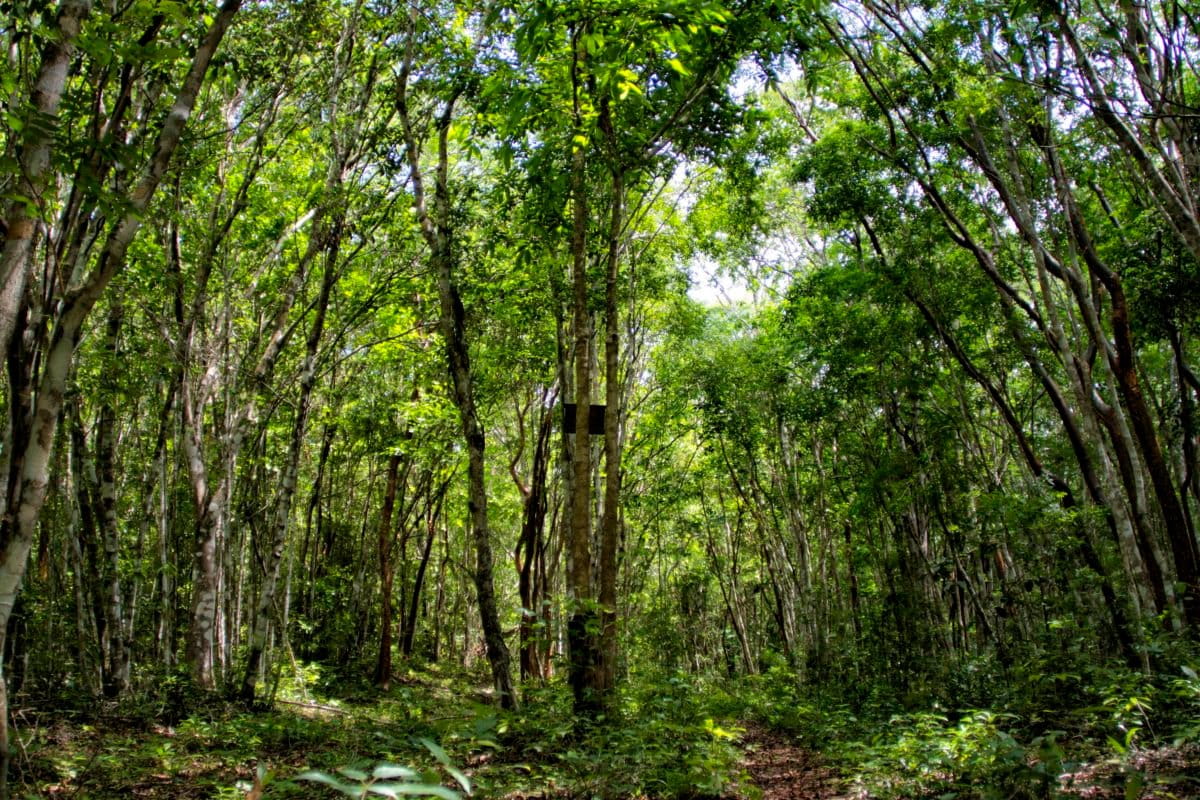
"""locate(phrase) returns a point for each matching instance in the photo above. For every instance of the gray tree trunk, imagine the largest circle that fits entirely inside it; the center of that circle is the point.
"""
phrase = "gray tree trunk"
(438, 235)
(24, 505)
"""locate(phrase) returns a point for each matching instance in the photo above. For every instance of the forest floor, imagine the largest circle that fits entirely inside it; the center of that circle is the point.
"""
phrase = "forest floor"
(118, 761)
(668, 745)
(783, 770)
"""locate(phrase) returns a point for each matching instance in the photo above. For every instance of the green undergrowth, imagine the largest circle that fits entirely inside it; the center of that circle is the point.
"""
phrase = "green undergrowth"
(1038, 730)
(423, 737)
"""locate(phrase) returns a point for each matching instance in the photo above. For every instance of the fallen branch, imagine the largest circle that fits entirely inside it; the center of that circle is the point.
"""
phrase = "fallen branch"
(315, 706)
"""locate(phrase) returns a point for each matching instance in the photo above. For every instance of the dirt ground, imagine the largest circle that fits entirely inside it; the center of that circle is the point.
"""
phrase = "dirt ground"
(781, 770)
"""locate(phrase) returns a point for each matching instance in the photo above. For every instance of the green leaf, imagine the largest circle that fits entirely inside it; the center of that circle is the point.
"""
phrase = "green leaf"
(413, 790)
(328, 780)
(1133, 786)
(444, 759)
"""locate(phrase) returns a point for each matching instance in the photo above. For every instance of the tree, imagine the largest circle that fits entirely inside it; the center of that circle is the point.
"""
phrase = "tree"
(902, 131)
(437, 229)
(29, 444)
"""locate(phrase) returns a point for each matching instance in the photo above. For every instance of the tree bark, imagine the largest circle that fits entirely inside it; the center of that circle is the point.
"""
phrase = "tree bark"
(610, 524)
(581, 641)
(28, 491)
(529, 549)
(383, 663)
(287, 487)
(432, 515)
(439, 236)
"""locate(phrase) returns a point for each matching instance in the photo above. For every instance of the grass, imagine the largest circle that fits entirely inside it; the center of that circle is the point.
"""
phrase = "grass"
(673, 736)
(663, 743)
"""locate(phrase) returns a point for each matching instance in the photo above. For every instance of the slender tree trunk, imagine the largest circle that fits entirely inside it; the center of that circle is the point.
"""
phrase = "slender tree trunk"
(117, 657)
(438, 234)
(287, 488)
(383, 663)
(1189, 392)
(89, 575)
(432, 514)
(530, 546)
(313, 507)
(855, 609)
(439, 606)
(606, 669)
(28, 495)
(165, 622)
(201, 654)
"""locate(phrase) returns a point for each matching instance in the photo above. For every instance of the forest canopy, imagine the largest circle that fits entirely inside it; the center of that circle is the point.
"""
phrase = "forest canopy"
(632, 371)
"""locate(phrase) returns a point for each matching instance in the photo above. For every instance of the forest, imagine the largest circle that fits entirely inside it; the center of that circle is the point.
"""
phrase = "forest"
(600, 399)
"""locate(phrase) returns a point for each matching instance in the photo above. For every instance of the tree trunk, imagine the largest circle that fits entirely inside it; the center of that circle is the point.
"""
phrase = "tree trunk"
(432, 514)
(439, 236)
(529, 548)
(383, 663)
(117, 659)
(287, 487)
(89, 592)
(581, 643)
(610, 526)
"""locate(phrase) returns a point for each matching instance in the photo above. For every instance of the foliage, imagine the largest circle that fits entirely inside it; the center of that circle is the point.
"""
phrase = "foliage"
(1046, 736)
(668, 740)
(977, 757)
(390, 780)
(922, 491)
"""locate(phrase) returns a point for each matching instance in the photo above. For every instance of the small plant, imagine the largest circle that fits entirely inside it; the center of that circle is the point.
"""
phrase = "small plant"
(391, 780)
(1185, 692)
(976, 758)
(385, 780)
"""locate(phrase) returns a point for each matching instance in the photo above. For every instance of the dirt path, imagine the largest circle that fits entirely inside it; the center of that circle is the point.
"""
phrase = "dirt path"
(782, 770)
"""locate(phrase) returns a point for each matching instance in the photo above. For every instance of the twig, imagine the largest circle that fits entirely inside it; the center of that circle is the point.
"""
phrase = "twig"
(315, 706)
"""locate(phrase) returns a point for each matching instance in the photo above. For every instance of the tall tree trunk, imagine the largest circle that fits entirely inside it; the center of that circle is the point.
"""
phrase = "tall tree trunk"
(287, 488)
(383, 663)
(158, 508)
(581, 643)
(117, 659)
(610, 524)
(28, 494)
(438, 234)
